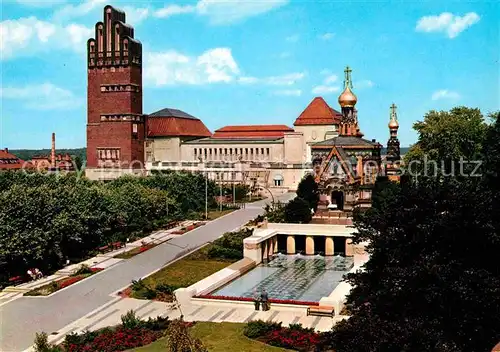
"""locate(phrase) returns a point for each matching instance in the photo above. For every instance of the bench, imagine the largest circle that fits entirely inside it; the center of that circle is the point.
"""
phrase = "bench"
(104, 249)
(117, 245)
(16, 280)
(323, 311)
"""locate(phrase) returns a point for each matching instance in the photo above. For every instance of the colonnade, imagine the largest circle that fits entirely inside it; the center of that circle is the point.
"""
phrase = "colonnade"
(329, 246)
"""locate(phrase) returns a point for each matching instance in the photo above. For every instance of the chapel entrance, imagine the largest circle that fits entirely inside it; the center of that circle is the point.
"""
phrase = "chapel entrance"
(338, 199)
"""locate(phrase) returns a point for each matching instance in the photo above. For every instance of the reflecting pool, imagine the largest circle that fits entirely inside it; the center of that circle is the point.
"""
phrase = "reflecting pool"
(296, 277)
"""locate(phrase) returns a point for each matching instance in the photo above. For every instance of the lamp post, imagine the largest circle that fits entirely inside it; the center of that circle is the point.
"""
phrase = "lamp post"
(220, 187)
(234, 188)
(206, 195)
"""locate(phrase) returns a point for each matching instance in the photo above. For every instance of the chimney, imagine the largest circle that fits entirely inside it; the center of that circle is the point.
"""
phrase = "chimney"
(53, 154)
(6, 150)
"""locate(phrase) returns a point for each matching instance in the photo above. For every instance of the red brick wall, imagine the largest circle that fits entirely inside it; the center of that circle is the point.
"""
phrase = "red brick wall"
(114, 134)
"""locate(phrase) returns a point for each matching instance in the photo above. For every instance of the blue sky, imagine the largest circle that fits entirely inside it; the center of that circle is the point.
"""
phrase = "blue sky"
(252, 62)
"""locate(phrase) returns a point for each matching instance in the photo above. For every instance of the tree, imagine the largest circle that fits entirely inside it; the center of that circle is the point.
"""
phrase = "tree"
(308, 190)
(445, 137)
(431, 283)
(298, 211)
(179, 339)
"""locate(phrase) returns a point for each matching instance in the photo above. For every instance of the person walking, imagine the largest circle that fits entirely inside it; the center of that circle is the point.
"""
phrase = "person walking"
(256, 299)
(264, 297)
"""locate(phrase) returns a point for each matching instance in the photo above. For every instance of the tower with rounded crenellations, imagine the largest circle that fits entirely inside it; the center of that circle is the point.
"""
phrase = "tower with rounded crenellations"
(115, 121)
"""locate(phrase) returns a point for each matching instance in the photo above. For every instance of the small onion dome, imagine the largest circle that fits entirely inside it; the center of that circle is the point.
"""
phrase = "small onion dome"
(393, 124)
(347, 98)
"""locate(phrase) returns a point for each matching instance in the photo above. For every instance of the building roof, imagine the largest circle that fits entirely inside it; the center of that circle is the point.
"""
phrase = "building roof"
(318, 112)
(9, 161)
(348, 141)
(237, 140)
(252, 131)
(173, 122)
(169, 112)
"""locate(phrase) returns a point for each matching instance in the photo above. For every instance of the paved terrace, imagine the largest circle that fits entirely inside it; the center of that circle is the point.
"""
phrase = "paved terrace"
(21, 318)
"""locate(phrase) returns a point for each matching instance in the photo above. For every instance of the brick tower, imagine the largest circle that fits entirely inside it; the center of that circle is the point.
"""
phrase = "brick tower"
(115, 123)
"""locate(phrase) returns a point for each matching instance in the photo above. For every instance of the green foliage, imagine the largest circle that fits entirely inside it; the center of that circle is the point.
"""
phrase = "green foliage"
(258, 328)
(130, 320)
(445, 137)
(41, 344)
(229, 246)
(83, 269)
(432, 282)
(275, 212)
(46, 219)
(308, 190)
(179, 339)
(298, 211)
(166, 288)
(28, 154)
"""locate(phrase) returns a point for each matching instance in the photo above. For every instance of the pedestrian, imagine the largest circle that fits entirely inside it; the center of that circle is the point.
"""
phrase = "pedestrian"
(31, 274)
(256, 299)
(264, 298)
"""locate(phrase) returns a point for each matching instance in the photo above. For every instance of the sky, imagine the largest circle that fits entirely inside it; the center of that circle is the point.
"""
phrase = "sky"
(252, 62)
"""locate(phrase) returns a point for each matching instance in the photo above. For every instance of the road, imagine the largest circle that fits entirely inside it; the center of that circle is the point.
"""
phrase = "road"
(21, 318)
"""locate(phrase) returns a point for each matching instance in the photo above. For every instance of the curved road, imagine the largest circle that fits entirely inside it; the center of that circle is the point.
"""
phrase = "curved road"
(21, 318)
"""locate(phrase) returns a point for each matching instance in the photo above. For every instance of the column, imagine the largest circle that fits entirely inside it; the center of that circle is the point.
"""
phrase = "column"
(329, 250)
(290, 244)
(309, 245)
(275, 244)
(271, 247)
(264, 251)
(349, 247)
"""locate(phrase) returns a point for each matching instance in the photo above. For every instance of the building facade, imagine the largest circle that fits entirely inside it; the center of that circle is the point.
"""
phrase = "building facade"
(274, 158)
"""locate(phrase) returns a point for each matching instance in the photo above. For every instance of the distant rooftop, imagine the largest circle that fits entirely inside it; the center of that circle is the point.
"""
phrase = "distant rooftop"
(169, 112)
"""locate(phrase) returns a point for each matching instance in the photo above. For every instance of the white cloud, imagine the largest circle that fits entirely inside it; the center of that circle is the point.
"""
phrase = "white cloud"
(288, 92)
(248, 80)
(323, 89)
(282, 80)
(29, 35)
(366, 83)
(171, 67)
(445, 94)
(325, 72)
(70, 11)
(40, 3)
(284, 55)
(44, 96)
(172, 10)
(285, 80)
(292, 38)
(135, 15)
(222, 12)
(331, 79)
(327, 36)
(447, 23)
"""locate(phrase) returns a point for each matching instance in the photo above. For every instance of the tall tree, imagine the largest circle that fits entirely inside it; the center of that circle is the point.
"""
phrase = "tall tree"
(308, 190)
(446, 136)
(431, 283)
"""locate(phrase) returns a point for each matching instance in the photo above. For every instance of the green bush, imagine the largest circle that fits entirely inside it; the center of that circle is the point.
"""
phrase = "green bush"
(218, 252)
(258, 328)
(157, 324)
(166, 288)
(41, 344)
(130, 320)
(83, 269)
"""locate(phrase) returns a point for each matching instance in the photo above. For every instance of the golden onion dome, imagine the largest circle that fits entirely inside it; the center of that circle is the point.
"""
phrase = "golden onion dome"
(347, 98)
(393, 124)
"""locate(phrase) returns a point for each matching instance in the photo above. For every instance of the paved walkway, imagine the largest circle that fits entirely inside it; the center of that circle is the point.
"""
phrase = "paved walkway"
(21, 318)
(110, 314)
(102, 261)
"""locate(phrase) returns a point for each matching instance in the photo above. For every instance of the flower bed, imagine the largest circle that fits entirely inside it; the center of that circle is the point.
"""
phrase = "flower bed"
(249, 299)
(294, 337)
(138, 250)
(55, 286)
(185, 229)
(119, 339)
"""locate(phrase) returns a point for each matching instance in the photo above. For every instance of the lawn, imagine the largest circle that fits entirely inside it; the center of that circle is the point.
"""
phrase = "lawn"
(214, 214)
(184, 272)
(217, 337)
